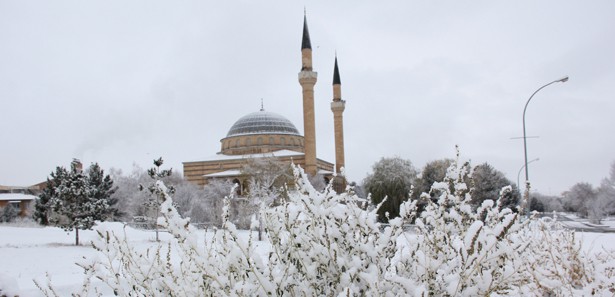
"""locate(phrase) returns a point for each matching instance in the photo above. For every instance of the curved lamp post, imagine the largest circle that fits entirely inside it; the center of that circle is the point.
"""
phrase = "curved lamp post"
(527, 183)
(521, 169)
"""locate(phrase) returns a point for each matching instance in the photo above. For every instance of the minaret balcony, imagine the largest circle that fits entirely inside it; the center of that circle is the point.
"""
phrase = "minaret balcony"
(308, 76)
(338, 106)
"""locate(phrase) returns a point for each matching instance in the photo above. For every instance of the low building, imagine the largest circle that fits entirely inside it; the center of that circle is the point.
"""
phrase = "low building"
(21, 198)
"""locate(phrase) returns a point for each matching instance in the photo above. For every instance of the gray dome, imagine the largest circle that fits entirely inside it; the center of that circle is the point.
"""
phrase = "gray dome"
(262, 122)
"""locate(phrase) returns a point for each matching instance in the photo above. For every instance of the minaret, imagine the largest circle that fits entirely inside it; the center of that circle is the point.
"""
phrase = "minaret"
(307, 79)
(337, 106)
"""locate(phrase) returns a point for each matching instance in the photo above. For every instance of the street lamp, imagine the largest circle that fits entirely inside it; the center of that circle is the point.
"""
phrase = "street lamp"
(527, 182)
(521, 169)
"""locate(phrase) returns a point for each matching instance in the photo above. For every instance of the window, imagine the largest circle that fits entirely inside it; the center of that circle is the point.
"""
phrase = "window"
(248, 141)
(282, 141)
(259, 141)
(271, 141)
(238, 188)
(14, 204)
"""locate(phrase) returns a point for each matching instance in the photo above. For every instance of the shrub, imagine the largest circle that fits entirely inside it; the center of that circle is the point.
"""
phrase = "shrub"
(323, 243)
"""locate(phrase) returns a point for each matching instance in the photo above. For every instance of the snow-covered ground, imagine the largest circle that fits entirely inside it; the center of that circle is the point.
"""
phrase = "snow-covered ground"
(28, 253)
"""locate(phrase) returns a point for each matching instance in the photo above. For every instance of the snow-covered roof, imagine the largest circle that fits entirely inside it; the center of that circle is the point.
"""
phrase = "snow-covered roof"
(280, 153)
(227, 173)
(16, 197)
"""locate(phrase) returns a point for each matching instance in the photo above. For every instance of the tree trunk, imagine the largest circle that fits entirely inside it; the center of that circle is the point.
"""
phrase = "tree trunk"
(76, 236)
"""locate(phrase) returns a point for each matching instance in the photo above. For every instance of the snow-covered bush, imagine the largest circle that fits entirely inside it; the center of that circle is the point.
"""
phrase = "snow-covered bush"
(8, 213)
(325, 244)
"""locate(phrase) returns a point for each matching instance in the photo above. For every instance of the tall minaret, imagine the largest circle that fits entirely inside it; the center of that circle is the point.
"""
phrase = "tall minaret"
(307, 79)
(337, 106)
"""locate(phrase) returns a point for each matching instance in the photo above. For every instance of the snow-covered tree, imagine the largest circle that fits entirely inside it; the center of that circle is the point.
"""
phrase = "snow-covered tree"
(80, 198)
(102, 188)
(432, 172)
(42, 207)
(606, 193)
(215, 191)
(549, 203)
(590, 202)
(487, 182)
(8, 213)
(267, 178)
(130, 199)
(391, 178)
(158, 194)
(578, 198)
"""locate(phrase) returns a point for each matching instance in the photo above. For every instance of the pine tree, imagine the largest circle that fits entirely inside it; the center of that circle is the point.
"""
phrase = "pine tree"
(487, 183)
(102, 188)
(159, 194)
(75, 200)
(42, 206)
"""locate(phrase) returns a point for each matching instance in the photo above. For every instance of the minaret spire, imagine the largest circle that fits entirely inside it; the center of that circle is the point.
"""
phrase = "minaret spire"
(336, 74)
(305, 41)
(337, 106)
(307, 80)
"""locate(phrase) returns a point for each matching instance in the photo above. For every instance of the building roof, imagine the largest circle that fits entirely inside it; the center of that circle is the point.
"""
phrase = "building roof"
(223, 157)
(16, 197)
(262, 122)
(227, 173)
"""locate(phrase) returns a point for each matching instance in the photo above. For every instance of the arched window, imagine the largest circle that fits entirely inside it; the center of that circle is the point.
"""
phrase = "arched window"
(292, 141)
(282, 141)
(237, 143)
(259, 141)
(271, 141)
(238, 187)
(248, 141)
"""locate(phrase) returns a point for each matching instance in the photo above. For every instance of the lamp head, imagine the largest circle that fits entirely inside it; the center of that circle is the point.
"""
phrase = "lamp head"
(563, 79)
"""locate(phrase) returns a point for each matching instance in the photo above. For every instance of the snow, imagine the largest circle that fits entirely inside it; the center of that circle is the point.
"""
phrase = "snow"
(30, 253)
(280, 153)
(16, 197)
(225, 173)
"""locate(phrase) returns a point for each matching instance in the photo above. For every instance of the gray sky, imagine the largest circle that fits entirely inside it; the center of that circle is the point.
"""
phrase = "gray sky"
(123, 82)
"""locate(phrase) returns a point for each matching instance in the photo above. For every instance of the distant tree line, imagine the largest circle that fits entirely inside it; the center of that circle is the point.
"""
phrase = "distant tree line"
(587, 201)
(398, 180)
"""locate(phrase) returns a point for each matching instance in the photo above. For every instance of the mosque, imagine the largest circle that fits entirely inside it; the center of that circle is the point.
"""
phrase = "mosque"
(264, 134)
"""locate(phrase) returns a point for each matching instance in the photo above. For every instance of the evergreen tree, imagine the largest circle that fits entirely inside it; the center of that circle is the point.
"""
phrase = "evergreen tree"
(487, 183)
(102, 188)
(42, 206)
(75, 200)
(433, 171)
(158, 193)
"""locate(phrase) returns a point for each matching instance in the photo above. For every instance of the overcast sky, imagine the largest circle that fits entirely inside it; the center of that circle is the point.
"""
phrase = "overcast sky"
(123, 82)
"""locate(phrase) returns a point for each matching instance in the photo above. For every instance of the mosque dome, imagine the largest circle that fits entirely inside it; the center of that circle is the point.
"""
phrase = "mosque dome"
(262, 132)
(262, 122)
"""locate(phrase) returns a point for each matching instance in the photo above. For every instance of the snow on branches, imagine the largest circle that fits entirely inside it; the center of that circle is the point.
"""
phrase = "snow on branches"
(327, 244)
